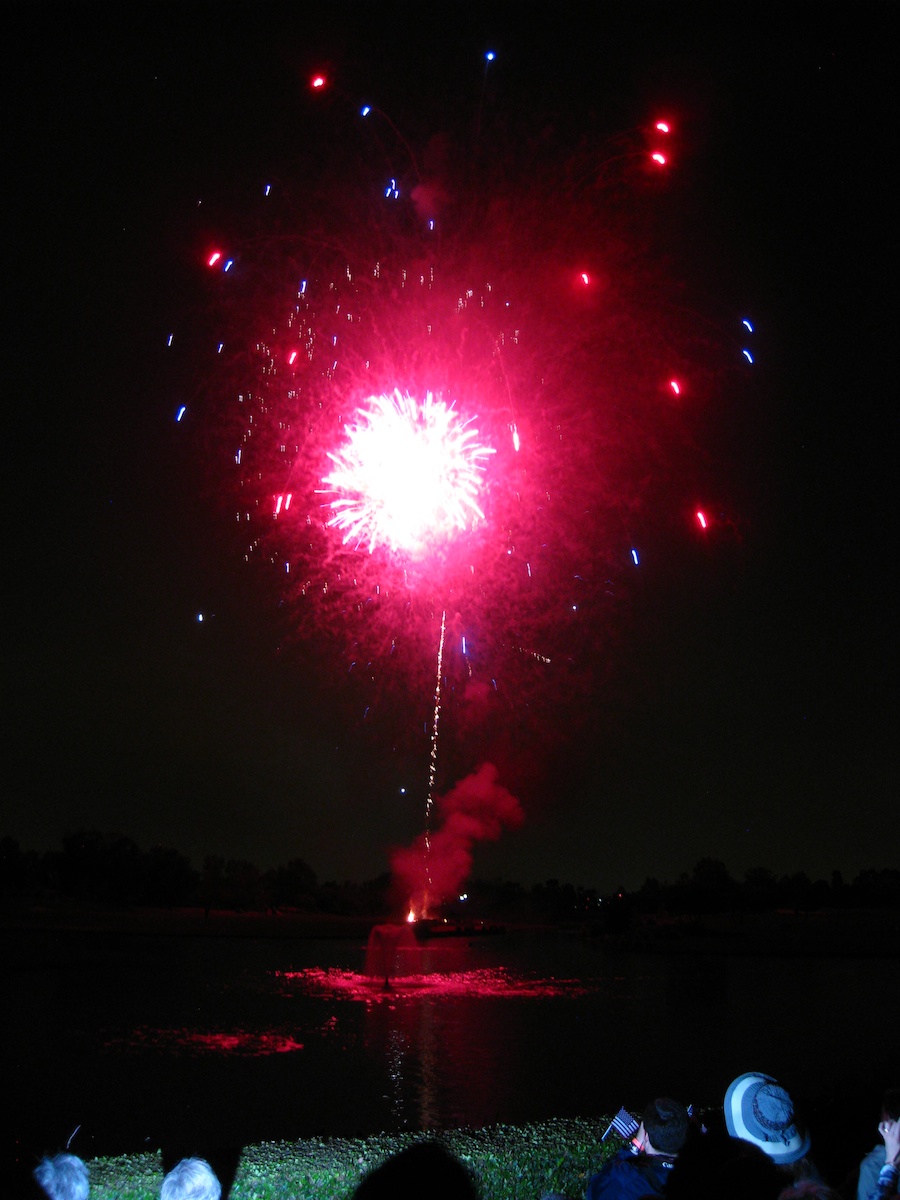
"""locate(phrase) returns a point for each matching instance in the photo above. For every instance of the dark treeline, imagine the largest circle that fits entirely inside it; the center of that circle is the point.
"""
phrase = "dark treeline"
(112, 870)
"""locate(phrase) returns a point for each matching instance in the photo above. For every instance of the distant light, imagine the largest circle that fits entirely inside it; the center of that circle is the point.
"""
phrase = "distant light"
(169, 342)
(228, 265)
(515, 438)
(302, 286)
(662, 126)
(267, 189)
(659, 158)
(221, 347)
(490, 56)
(747, 325)
(634, 557)
(292, 358)
(365, 110)
(181, 412)
(200, 617)
(214, 258)
(464, 646)
(701, 520)
(585, 278)
(747, 355)
(317, 82)
(675, 386)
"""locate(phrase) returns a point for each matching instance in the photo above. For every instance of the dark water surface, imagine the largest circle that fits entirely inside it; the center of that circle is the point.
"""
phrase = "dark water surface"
(201, 1042)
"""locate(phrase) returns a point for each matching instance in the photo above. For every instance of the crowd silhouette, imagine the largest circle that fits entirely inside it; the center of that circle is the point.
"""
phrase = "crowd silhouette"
(759, 1151)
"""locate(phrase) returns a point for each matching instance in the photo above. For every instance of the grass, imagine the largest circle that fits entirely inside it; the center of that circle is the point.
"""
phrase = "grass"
(507, 1162)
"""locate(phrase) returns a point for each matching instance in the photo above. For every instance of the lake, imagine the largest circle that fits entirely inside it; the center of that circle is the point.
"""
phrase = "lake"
(200, 1042)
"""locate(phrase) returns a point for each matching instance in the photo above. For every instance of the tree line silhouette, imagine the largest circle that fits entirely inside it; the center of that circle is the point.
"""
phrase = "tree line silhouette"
(112, 870)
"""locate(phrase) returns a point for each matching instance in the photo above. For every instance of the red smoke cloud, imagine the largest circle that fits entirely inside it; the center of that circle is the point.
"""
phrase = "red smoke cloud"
(477, 809)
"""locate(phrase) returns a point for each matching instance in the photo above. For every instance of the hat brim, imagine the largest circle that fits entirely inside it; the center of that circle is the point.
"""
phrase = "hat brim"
(784, 1150)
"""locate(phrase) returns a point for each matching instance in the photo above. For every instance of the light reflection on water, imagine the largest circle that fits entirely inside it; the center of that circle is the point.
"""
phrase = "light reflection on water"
(252, 1039)
(495, 982)
(336, 985)
(418, 1033)
(434, 1048)
(198, 1041)
(430, 1047)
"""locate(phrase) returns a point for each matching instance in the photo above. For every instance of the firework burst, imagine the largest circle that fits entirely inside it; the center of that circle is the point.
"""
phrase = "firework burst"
(409, 473)
(519, 285)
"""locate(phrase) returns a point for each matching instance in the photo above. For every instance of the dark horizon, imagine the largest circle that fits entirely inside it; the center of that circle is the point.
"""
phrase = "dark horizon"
(112, 870)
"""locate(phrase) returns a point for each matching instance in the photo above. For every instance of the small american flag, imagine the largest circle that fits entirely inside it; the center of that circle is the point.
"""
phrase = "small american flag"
(623, 1123)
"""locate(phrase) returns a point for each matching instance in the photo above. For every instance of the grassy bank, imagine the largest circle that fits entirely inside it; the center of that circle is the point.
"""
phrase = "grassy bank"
(507, 1163)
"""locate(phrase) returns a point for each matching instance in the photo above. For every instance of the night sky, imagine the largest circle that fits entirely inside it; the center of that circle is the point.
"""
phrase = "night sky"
(743, 707)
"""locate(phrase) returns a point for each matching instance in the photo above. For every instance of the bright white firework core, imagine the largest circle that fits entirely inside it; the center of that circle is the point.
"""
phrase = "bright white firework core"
(409, 473)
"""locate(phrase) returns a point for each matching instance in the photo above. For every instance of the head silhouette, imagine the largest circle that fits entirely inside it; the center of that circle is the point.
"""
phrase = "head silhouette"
(423, 1170)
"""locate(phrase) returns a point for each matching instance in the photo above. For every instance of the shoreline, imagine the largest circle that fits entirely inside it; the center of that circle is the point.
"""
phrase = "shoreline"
(844, 933)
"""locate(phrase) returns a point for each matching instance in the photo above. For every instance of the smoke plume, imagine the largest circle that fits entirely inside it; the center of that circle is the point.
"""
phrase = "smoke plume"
(477, 809)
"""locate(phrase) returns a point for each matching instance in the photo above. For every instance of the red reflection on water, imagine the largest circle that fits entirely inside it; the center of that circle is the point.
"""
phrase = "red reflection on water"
(248, 1043)
(408, 1004)
(494, 982)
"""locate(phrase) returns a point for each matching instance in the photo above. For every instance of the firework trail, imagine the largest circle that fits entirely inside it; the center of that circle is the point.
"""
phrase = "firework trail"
(432, 759)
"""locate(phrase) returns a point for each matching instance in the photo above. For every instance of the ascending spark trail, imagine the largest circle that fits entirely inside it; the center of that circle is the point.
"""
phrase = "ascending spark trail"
(432, 765)
(405, 480)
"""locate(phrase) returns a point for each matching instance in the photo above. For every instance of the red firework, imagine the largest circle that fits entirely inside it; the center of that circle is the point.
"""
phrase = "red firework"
(521, 284)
